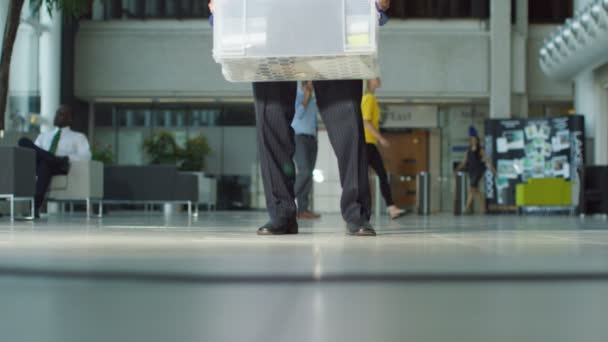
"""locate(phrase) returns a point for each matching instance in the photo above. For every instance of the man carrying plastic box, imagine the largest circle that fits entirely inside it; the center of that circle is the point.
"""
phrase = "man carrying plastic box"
(339, 103)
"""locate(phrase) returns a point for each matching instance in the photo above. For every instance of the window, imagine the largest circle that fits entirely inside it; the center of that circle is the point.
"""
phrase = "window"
(440, 9)
(548, 110)
(156, 9)
(228, 127)
(550, 11)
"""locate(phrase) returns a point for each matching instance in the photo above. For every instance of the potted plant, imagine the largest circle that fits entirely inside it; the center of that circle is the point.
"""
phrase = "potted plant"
(194, 153)
(162, 148)
(193, 161)
(103, 155)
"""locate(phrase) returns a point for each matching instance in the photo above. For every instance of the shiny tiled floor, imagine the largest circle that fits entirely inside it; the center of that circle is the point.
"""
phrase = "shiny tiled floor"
(153, 278)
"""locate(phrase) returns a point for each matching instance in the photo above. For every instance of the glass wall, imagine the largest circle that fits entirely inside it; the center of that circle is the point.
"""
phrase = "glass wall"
(156, 9)
(454, 121)
(184, 9)
(551, 109)
(548, 11)
(440, 9)
(228, 128)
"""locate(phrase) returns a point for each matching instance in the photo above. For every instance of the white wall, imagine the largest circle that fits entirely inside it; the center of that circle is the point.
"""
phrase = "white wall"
(540, 87)
(173, 58)
(151, 58)
(435, 59)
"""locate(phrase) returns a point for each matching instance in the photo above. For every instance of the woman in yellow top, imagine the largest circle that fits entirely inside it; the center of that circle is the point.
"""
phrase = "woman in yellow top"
(371, 118)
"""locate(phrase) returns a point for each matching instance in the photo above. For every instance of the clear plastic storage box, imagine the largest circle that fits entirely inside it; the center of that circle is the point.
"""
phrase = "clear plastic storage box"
(285, 40)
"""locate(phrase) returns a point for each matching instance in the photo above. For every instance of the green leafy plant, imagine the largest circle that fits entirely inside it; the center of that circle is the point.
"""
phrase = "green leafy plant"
(75, 8)
(194, 154)
(162, 148)
(103, 155)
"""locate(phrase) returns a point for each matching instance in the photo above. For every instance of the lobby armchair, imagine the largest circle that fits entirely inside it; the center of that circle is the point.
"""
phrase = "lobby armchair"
(17, 176)
(84, 182)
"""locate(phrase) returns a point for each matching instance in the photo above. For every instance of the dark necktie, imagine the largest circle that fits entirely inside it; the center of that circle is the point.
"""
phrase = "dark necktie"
(55, 142)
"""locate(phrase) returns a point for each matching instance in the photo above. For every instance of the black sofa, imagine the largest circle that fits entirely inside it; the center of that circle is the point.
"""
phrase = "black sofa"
(594, 196)
(148, 184)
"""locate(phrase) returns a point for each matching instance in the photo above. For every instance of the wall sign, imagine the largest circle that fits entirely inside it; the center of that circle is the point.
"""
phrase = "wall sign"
(410, 116)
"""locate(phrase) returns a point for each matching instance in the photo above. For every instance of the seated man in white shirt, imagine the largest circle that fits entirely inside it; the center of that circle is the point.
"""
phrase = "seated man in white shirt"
(54, 151)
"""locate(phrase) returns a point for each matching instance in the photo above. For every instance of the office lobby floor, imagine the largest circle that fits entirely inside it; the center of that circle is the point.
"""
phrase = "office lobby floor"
(137, 277)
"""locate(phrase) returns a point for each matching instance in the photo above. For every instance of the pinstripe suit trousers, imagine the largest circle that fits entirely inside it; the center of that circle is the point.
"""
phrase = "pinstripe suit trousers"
(339, 103)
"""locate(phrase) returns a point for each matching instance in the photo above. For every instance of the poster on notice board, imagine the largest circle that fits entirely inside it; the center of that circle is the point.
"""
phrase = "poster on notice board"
(531, 148)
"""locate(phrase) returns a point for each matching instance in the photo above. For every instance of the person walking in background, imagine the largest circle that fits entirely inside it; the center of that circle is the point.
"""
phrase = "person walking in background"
(305, 127)
(371, 121)
(54, 151)
(475, 163)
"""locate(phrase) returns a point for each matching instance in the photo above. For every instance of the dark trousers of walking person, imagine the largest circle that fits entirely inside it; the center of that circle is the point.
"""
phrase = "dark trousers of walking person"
(339, 103)
(306, 158)
(375, 162)
(47, 166)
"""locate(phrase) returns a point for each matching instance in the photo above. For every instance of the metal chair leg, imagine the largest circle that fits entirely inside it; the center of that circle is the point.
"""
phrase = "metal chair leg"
(88, 200)
(32, 210)
(100, 214)
(12, 207)
(189, 208)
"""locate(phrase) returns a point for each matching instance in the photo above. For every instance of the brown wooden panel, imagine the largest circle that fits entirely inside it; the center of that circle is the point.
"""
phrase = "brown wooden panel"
(407, 156)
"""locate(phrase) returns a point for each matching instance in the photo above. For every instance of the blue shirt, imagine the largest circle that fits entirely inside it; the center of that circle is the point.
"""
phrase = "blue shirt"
(305, 120)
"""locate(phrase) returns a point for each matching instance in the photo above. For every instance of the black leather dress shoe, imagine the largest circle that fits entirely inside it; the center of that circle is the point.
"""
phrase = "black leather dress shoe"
(360, 229)
(271, 228)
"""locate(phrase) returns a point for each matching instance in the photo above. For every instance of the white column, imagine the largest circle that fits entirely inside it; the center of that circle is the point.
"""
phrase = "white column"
(601, 128)
(586, 103)
(500, 61)
(50, 65)
(23, 82)
(588, 94)
(520, 103)
(591, 100)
